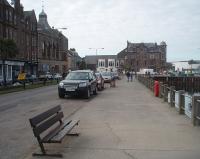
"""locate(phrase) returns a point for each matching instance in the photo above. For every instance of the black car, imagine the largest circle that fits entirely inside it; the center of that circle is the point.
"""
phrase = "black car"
(80, 82)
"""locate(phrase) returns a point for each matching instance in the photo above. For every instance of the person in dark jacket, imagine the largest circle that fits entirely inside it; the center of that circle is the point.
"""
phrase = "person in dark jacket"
(128, 75)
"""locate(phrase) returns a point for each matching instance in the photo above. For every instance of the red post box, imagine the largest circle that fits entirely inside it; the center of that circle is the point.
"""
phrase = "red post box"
(156, 88)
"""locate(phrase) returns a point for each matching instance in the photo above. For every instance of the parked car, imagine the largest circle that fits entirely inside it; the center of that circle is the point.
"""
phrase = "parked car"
(116, 75)
(47, 75)
(100, 81)
(107, 76)
(57, 76)
(30, 78)
(80, 82)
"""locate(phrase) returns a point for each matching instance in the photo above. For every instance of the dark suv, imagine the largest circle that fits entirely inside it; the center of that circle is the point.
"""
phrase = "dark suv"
(80, 82)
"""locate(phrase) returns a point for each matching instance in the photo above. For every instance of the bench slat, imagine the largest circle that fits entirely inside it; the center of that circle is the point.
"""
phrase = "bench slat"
(58, 138)
(47, 124)
(55, 131)
(41, 117)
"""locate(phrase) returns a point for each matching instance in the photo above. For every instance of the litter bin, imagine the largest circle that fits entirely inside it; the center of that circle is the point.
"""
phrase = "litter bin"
(156, 88)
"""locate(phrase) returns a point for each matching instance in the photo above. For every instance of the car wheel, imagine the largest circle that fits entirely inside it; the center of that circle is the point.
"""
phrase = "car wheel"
(61, 95)
(95, 91)
(87, 96)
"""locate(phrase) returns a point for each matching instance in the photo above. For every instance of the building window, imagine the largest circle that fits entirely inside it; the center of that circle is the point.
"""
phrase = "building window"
(57, 52)
(43, 49)
(9, 72)
(117, 64)
(162, 56)
(7, 15)
(152, 56)
(132, 56)
(10, 16)
(111, 63)
(15, 19)
(49, 50)
(101, 63)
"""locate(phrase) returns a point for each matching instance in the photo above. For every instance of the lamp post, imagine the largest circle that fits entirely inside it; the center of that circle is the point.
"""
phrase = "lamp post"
(96, 49)
(63, 28)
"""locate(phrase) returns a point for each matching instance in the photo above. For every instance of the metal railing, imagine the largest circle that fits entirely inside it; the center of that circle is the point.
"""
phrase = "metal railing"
(198, 109)
(183, 102)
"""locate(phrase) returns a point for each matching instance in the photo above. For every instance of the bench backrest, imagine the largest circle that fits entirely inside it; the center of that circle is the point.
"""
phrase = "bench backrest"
(45, 120)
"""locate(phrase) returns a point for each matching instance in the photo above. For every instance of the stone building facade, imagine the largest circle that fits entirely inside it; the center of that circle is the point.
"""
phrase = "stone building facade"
(138, 56)
(52, 49)
(102, 62)
(73, 59)
(20, 26)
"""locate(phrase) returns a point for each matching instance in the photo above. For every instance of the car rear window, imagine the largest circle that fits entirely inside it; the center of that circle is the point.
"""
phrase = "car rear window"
(106, 73)
(77, 76)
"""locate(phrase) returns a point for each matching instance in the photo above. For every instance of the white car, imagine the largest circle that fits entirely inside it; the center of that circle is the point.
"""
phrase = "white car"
(57, 76)
(107, 76)
(49, 75)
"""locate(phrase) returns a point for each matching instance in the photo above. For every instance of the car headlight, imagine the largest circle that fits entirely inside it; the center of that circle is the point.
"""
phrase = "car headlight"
(61, 84)
(82, 84)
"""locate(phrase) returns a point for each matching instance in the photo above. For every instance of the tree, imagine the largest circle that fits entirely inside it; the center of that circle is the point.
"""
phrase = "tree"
(8, 50)
(81, 65)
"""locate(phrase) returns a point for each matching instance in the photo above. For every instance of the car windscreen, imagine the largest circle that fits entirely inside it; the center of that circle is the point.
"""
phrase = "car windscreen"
(77, 76)
(97, 74)
(106, 73)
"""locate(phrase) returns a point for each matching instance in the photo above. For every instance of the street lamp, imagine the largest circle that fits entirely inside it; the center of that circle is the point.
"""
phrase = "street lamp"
(63, 28)
(96, 49)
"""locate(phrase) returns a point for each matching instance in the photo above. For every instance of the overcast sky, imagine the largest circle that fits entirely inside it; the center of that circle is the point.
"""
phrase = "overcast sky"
(110, 23)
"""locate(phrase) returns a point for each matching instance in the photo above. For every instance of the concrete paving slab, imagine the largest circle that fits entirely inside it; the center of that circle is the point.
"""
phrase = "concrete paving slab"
(128, 122)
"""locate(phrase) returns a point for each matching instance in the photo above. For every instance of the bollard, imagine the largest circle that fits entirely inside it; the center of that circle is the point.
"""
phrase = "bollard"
(195, 106)
(181, 101)
(165, 93)
(160, 89)
(156, 88)
(172, 88)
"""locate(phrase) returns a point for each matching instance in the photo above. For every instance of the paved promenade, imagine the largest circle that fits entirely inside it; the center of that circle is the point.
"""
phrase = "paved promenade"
(128, 122)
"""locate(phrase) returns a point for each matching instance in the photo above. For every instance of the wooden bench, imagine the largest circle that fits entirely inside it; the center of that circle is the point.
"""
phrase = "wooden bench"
(49, 127)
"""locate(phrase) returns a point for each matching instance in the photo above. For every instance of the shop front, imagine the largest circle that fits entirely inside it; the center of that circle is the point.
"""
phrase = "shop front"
(12, 69)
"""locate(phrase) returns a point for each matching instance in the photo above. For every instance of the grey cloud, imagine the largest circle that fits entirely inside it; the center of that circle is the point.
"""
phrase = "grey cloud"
(109, 23)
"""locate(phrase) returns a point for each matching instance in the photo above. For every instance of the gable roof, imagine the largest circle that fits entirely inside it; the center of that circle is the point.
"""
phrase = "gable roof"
(147, 45)
(122, 53)
(31, 15)
(5, 2)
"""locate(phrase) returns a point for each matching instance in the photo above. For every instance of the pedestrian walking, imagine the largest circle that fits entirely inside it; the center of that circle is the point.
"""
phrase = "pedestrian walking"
(131, 75)
(128, 76)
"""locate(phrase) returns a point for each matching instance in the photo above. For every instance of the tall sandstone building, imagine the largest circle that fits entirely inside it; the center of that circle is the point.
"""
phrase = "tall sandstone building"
(138, 56)
(21, 27)
(53, 48)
